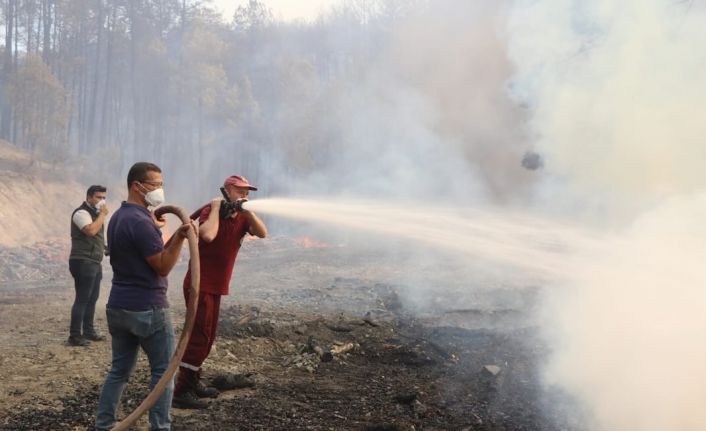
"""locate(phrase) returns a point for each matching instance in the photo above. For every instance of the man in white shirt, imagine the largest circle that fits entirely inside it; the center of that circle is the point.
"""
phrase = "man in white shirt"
(87, 249)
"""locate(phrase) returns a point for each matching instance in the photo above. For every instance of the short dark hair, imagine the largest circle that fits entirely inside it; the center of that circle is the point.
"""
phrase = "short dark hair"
(138, 172)
(95, 189)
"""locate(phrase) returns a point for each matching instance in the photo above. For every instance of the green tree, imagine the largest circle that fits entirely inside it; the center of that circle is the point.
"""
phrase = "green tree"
(41, 110)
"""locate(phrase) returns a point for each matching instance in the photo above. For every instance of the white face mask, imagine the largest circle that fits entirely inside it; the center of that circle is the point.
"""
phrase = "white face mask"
(155, 198)
(99, 204)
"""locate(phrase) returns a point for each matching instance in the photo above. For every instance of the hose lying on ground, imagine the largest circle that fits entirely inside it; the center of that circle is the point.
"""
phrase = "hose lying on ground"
(191, 306)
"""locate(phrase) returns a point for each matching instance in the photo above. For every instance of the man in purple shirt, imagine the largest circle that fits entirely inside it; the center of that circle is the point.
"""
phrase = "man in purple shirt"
(137, 308)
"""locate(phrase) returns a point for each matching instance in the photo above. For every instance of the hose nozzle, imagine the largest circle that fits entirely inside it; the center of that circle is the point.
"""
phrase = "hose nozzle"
(239, 205)
(228, 206)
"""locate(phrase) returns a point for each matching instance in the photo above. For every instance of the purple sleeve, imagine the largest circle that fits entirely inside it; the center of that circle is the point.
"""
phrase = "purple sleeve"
(148, 239)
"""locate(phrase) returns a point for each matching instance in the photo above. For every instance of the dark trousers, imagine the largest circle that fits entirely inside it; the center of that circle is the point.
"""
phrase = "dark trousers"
(202, 337)
(87, 282)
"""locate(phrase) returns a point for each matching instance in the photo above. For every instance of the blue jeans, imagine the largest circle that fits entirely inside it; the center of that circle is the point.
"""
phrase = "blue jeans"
(87, 283)
(152, 330)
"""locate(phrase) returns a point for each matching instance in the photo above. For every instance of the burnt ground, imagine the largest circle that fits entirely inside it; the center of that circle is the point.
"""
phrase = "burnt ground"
(442, 354)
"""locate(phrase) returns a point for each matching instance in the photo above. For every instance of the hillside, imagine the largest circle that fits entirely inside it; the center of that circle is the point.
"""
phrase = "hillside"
(36, 199)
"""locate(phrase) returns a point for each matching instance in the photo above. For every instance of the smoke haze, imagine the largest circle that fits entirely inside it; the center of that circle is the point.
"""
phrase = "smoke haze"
(427, 107)
(426, 113)
(617, 92)
(613, 95)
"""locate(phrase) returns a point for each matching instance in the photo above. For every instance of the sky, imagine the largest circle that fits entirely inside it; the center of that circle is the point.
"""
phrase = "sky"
(287, 9)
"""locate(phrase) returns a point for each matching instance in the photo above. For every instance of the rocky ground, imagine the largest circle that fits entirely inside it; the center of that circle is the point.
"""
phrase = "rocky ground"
(468, 360)
(41, 263)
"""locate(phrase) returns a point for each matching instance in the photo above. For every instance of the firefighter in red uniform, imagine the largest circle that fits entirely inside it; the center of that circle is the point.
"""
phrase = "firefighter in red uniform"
(220, 240)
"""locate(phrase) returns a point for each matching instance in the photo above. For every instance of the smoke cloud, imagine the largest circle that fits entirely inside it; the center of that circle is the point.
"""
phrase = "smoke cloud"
(617, 93)
(427, 113)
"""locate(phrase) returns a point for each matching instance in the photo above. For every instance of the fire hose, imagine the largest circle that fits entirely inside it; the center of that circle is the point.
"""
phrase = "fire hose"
(191, 306)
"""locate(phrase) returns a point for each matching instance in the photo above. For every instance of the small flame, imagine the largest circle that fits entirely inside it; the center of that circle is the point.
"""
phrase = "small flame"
(308, 242)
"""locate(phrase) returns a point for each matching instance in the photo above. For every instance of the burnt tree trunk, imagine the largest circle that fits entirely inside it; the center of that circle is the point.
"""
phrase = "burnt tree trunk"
(7, 69)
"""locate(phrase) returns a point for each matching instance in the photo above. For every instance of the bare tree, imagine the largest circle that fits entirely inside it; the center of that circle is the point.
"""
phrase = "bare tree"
(7, 70)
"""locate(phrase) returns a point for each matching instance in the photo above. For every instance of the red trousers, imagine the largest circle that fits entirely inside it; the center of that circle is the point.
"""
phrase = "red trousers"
(202, 337)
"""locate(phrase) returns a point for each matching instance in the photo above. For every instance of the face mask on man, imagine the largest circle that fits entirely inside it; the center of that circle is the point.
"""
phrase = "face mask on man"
(99, 204)
(155, 197)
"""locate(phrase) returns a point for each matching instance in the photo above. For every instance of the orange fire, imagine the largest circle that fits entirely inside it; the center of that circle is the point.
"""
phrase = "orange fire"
(308, 242)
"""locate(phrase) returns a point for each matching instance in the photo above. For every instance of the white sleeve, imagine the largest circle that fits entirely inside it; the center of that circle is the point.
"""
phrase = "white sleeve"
(82, 219)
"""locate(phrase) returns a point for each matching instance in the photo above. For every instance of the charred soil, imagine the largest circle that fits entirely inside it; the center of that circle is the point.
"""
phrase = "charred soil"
(329, 340)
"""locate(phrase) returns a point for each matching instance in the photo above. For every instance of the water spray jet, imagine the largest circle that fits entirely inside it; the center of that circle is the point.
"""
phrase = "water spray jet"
(543, 247)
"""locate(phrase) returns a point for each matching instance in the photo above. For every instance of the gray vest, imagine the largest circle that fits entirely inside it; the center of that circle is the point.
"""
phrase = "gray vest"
(84, 246)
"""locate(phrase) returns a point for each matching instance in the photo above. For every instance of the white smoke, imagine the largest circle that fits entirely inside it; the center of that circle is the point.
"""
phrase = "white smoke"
(426, 111)
(617, 92)
(629, 332)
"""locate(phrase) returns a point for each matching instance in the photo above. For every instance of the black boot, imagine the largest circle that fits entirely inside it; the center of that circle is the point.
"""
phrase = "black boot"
(93, 336)
(78, 341)
(203, 391)
(188, 400)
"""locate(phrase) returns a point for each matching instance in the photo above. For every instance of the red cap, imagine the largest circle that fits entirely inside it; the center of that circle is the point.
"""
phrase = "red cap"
(238, 181)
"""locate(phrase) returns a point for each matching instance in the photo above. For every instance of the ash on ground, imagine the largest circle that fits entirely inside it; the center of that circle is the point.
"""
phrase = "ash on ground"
(330, 340)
